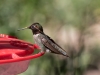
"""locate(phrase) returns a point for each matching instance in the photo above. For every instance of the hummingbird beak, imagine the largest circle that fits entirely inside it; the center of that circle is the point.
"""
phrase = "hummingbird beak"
(23, 28)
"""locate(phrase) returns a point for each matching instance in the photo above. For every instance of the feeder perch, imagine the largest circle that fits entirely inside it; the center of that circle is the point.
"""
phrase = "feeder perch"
(15, 55)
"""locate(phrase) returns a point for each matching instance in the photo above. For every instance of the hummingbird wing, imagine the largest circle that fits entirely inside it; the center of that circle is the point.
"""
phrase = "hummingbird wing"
(52, 46)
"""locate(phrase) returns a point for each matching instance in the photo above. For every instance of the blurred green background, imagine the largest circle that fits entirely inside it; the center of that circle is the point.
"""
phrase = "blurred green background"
(73, 24)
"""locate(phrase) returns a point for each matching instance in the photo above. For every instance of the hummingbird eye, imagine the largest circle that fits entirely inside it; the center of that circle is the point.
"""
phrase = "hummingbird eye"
(35, 26)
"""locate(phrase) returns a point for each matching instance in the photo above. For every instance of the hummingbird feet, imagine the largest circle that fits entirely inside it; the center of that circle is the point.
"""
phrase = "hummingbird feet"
(42, 51)
(48, 51)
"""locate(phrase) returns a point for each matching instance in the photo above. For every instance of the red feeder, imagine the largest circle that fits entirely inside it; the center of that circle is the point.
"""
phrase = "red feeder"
(15, 55)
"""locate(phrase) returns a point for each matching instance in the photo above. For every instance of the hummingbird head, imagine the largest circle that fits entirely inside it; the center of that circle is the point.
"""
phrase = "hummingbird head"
(35, 27)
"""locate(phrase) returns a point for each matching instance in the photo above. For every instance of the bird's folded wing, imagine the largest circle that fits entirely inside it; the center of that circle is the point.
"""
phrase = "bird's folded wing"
(50, 44)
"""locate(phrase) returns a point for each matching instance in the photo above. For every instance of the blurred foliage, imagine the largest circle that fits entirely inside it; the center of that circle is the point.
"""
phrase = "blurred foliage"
(76, 20)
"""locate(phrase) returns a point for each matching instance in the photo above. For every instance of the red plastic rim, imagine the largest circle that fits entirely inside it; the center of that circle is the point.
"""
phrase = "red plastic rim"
(13, 50)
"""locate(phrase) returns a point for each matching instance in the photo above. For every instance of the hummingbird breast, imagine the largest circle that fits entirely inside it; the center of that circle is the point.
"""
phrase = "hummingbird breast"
(38, 41)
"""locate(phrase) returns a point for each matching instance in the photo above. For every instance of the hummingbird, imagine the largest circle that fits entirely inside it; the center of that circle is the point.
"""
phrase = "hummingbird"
(45, 43)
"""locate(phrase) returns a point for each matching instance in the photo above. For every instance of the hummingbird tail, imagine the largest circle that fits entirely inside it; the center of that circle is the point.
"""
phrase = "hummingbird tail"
(67, 56)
